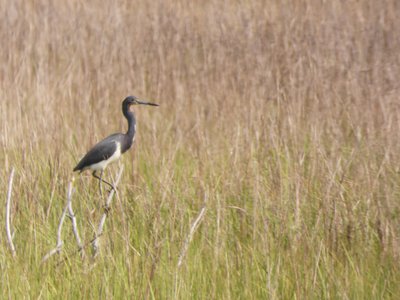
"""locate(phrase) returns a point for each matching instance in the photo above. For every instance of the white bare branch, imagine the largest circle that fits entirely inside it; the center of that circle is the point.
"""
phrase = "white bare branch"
(59, 245)
(96, 240)
(189, 238)
(8, 208)
(71, 215)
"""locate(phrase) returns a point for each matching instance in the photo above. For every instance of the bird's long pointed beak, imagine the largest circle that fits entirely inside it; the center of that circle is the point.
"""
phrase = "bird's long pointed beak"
(147, 103)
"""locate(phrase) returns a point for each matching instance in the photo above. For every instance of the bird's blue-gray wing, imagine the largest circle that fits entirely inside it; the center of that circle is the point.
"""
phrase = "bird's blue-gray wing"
(101, 151)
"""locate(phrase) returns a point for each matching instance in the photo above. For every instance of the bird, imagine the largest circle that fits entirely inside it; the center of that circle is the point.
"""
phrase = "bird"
(112, 147)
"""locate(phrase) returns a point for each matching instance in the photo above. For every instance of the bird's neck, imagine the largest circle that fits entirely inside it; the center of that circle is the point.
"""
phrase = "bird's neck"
(131, 123)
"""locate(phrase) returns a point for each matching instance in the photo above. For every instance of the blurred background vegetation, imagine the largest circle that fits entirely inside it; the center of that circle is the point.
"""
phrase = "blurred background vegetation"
(280, 117)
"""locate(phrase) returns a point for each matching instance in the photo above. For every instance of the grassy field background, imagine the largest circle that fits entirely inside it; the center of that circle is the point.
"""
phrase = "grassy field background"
(282, 118)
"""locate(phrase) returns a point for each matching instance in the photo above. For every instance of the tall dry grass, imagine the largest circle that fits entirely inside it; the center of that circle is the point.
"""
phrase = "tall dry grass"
(282, 117)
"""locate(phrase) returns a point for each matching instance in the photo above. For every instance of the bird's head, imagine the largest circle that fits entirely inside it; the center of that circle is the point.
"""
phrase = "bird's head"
(133, 100)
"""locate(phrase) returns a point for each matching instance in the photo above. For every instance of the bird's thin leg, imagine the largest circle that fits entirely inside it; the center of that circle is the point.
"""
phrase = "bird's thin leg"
(102, 180)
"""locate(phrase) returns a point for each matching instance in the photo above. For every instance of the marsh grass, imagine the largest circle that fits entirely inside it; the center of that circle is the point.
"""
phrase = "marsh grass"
(284, 115)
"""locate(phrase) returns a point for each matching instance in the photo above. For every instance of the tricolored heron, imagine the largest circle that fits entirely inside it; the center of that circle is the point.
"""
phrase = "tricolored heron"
(112, 147)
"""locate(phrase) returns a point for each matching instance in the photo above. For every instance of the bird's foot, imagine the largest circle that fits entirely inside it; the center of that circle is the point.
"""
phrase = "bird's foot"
(107, 209)
(112, 189)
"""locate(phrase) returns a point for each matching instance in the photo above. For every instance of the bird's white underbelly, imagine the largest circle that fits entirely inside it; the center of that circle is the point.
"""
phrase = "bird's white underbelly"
(103, 164)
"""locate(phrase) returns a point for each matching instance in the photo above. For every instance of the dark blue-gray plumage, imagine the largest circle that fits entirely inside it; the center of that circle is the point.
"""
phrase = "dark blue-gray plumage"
(112, 147)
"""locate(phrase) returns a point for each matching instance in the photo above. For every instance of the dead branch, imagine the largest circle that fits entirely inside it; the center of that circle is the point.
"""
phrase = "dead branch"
(59, 245)
(8, 208)
(75, 230)
(96, 243)
(189, 238)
